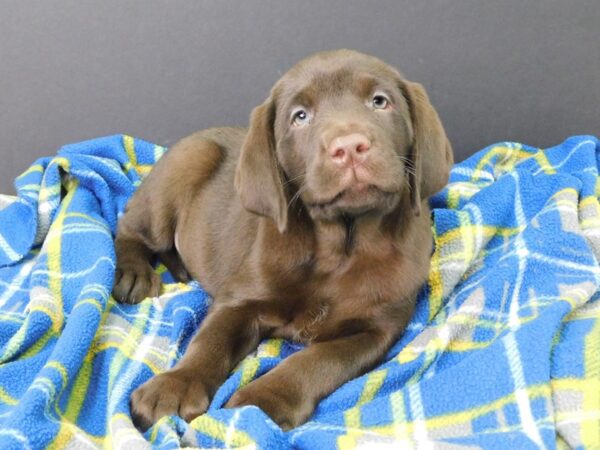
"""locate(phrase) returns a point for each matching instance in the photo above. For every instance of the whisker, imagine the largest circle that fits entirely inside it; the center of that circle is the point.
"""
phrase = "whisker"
(291, 180)
(408, 165)
(296, 196)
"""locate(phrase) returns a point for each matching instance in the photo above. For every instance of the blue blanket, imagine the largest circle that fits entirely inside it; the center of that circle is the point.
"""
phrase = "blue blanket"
(503, 351)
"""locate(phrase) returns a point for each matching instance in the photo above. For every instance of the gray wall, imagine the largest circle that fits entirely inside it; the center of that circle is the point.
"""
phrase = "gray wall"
(496, 70)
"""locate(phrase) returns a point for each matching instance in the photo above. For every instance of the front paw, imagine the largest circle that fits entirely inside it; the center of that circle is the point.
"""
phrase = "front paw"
(175, 392)
(284, 404)
(134, 282)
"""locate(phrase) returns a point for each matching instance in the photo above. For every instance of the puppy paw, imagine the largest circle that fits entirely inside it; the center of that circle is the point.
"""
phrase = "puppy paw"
(180, 274)
(173, 392)
(134, 282)
(173, 263)
(280, 402)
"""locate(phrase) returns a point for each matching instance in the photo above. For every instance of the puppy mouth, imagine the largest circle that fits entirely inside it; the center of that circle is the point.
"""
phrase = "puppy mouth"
(357, 198)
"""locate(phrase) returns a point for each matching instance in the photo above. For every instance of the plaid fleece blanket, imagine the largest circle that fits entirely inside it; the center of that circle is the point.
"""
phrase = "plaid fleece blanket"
(503, 351)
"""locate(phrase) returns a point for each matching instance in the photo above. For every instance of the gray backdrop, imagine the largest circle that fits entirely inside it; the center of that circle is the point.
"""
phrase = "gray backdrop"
(496, 70)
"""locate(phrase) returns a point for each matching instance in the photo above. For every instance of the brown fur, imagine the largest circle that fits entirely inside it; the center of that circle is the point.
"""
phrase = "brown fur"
(286, 245)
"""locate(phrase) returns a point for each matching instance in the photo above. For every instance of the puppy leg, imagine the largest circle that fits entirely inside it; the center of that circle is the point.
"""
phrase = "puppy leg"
(134, 278)
(148, 225)
(143, 231)
(290, 392)
(175, 265)
(227, 335)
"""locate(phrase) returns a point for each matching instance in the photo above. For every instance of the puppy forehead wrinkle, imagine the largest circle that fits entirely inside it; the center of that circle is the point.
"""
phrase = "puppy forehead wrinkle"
(338, 62)
(305, 97)
(364, 84)
(312, 85)
(327, 85)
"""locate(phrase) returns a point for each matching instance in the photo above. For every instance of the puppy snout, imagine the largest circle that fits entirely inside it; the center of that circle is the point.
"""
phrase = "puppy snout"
(349, 150)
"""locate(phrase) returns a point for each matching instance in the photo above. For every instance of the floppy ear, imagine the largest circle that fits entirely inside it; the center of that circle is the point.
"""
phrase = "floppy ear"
(431, 153)
(258, 177)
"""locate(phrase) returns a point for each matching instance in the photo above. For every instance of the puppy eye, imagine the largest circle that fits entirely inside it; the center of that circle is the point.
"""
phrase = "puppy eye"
(300, 118)
(380, 101)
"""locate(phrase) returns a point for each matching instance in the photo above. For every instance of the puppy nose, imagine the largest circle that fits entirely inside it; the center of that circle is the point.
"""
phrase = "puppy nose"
(349, 149)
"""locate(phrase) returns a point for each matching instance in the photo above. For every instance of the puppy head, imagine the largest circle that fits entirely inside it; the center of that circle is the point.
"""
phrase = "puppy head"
(345, 134)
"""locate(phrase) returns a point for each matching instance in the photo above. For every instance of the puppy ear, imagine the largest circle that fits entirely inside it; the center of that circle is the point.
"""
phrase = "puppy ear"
(431, 153)
(258, 177)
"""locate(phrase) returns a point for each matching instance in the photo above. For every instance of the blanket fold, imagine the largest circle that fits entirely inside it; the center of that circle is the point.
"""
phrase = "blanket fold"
(503, 350)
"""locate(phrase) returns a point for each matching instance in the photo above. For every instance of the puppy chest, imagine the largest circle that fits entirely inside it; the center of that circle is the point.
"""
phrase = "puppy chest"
(323, 310)
(306, 324)
(337, 292)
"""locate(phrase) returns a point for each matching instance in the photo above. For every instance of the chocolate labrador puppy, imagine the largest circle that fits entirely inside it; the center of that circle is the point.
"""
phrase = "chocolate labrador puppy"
(311, 225)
